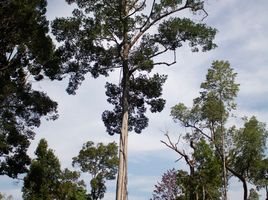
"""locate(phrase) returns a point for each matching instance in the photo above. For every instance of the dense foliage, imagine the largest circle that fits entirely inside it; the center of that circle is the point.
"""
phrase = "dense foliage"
(46, 181)
(26, 54)
(218, 150)
(101, 162)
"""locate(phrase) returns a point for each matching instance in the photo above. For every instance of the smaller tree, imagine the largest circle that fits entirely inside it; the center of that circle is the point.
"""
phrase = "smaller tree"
(171, 186)
(46, 181)
(208, 171)
(41, 181)
(101, 161)
(248, 154)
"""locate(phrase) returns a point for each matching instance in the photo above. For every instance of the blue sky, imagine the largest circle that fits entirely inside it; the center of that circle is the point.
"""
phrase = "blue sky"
(242, 40)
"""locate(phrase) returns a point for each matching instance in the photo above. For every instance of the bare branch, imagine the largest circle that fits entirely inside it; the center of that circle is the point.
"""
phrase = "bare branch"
(165, 63)
(199, 130)
(148, 18)
(160, 52)
(174, 147)
(136, 9)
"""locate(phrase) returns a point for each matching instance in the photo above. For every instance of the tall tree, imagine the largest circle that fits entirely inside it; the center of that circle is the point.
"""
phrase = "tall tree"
(101, 162)
(103, 36)
(26, 52)
(208, 116)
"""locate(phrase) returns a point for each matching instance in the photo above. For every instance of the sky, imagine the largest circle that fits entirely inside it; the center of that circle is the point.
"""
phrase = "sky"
(242, 39)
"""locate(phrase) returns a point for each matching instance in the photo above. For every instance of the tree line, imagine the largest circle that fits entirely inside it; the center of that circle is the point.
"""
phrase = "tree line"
(101, 37)
(218, 149)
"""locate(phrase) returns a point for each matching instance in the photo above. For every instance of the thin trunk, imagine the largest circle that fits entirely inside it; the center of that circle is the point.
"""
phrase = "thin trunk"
(245, 187)
(242, 179)
(224, 169)
(204, 193)
(192, 191)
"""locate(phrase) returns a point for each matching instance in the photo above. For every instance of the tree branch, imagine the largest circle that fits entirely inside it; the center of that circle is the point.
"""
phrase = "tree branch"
(136, 9)
(174, 147)
(146, 27)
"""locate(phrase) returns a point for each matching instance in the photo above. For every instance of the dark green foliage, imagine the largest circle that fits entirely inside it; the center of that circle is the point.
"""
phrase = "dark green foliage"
(46, 181)
(250, 145)
(100, 36)
(101, 161)
(41, 182)
(25, 53)
(208, 171)
(70, 187)
(143, 90)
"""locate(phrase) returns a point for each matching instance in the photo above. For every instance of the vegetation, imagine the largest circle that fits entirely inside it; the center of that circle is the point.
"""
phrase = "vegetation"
(239, 151)
(103, 36)
(131, 37)
(26, 53)
(45, 180)
(101, 162)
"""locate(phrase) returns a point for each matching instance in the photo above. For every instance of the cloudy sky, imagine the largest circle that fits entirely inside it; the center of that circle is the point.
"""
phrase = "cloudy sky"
(242, 39)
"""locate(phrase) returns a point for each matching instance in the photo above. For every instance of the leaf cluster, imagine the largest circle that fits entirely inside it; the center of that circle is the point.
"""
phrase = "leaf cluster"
(101, 161)
(25, 53)
(143, 91)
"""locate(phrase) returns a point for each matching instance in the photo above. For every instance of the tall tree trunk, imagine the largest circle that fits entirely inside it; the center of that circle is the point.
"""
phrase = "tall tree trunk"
(121, 189)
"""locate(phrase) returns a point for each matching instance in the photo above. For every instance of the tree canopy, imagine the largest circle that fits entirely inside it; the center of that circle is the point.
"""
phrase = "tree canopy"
(46, 181)
(102, 36)
(26, 54)
(101, 162)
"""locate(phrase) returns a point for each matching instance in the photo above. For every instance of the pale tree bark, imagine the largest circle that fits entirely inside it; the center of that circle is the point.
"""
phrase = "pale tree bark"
(122, 179)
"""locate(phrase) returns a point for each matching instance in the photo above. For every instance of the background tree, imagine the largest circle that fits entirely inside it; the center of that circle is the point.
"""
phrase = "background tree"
(249, 152)
(42, 180)
(101, 162)
(261, 177)
(26, 53)
(203, 180)
(208, 116)
(102, 36)
(168, 188)
(46, 181)
(5, 197)
(70, 187)
(208, 172)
